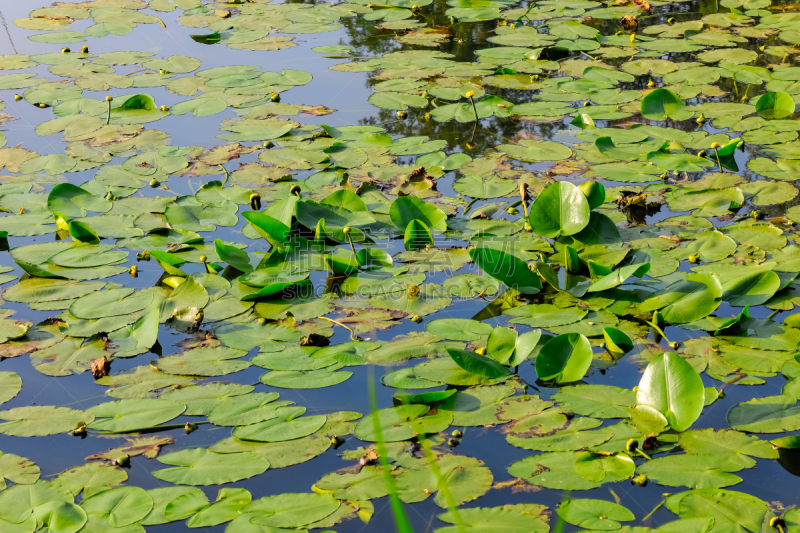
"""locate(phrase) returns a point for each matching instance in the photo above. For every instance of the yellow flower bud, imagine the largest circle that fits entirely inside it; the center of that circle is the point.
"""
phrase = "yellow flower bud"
(413, 291)
(85, 50)
(203, 258)
(65, 50)
(17, 97)
(347, 230)
(164, 109)
(255, 201)
(470, 94)
(715, 145)
(631, 445)
(109, 98)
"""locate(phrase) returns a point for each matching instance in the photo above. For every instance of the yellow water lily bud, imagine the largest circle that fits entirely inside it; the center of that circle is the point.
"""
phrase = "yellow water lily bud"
(776, 521)
(664, 176)
(134, 271)
(109, 98)
(268, 144)
(470, 146)
(413, 291)
(124, 461)
(154, 183)
(41, 105)
(416, 318)
(587, 103)
(651, 84)
(715, 145)
(203, 259)
(457, 434)
(745, 99)
(631, 445)
(21, 210)
(17, 97)
(162, 71)
(402, 115)
(426, 116)
(640, 480)
(347, 230)
(470, 94)
(164, 109)
(674, 345)
(528, 226)
(261, 320)
(694, 259)
(255, 201)
(295, 190)
(65, 50)
(701, 153)
(189, 427)
(762, 47)
(336, 441)
(481, 351)
(453, 442)
(633, 38)
(85, 50)
(671, 21)
(80, 430)
(274, 97)
(512, 211)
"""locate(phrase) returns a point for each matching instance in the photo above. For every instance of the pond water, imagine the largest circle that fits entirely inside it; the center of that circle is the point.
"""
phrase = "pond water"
(538, 260)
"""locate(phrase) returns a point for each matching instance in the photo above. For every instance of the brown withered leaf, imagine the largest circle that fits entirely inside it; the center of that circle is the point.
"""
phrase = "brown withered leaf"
(630, 22)
(147, 446)
(226, 152)
(369, 319)
(101, 367)
(517, 485)
(199, 339)
(317, 110)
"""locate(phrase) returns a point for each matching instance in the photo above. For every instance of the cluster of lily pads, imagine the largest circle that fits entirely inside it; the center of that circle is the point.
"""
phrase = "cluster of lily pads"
(618, 193)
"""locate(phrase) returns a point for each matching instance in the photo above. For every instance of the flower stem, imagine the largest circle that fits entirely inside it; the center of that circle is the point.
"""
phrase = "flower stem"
(657, 507)
(350, 240)
(108, 117)
(352, 333)
(474, 109)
